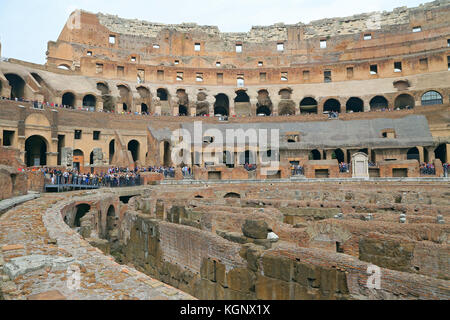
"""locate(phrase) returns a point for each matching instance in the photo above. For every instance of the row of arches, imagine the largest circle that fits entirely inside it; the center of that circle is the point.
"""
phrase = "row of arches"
(36, 148)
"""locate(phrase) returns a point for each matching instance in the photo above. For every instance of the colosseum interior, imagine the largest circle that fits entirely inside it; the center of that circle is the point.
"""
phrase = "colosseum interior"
(350, 199)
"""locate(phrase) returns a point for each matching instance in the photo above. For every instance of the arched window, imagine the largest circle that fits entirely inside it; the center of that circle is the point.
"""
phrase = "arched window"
(378, 103)
(308, 105)
(431, 98)
(404, 101)
(89, 101)
(355, 105)
(68, 99)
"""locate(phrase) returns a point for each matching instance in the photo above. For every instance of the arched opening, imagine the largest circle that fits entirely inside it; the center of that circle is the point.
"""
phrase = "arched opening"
(431, 97)
(81, 211)
(17, 85)
(167, 154)
(286, 108)
(232, 195)
(133, 147)
(413, 154)
(110, 220)
(182, 110)
(315, 155)
(144, 108)
(338, 154)
(404, 101)
(285, 94)
(125, 107)
(379, 103)
(36, 151)
(202, 107)
(68, 99)
(90, 102)
(112, 146)
(242, 96)
(222, 105)
(308, 106)
(355, 105)
(91, 158)
(108, 101)
(63, 67)
(332, 105)
(441, 153)
(162, 94)
(263, 110)
(264, 105)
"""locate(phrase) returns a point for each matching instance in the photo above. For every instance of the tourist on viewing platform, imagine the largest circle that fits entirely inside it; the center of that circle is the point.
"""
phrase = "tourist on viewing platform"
(427, 169)
(344, 167)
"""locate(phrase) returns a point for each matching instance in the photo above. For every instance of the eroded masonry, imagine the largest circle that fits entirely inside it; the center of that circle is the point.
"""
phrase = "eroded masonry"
(356, 208)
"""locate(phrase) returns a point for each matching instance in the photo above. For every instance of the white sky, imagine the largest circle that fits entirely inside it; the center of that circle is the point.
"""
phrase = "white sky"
(27, 25)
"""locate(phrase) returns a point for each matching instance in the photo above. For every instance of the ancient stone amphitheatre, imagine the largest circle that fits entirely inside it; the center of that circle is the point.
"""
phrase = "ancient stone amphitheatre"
(116, 182)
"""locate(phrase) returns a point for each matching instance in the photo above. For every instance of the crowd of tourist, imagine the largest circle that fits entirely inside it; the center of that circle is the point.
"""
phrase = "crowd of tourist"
(427, 169)
(112, 177)
(344, 167)
(297, 170)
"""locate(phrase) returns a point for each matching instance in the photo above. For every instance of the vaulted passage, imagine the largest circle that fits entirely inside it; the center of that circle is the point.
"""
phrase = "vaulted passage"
(36, 151)
(308, 106)
(379, 103)
(441, 153)
(264, 105)
(222, 105)
(162, 94)
(404, 101)
(355, 105)
(133, 147)
(68, 99)
(17, 85)
(315, 155)
(413, 154)
(332, 105)
(89, 101)
(81, 211)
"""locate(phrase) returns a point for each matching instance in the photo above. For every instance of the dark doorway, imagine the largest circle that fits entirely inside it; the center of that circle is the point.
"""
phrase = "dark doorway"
(17, 85)
(222, 105)
(133, 147)
(82, 209)
(36, 151)
(68, 99)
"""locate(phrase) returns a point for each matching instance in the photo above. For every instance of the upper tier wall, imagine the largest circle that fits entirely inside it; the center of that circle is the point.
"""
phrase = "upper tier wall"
(138, 43)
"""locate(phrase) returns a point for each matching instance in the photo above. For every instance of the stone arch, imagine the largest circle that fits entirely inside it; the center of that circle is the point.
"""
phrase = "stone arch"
(64, 67)
(90, 101)
(162, 94)
(308, 105)
(183, 102)
(38, 78)
(404, 101)
(338, 154)
(242, 104)
(202, 106)
(37, 119)
(285, 93)
(241, 96)
(133, 147)
(441, 153)
(81, 210)
(36, 148)
(222, 105)
(378, 103)
(125, 97)
(108, 100)
(332, 105)
(17, 85)
(315, 155)
(68, 99)
(413, 154)
(355, 104)
(264, 104)
(431, 98)
(232, 195)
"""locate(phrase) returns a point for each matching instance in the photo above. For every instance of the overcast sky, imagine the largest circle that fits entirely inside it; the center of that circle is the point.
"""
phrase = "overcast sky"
(27, 25)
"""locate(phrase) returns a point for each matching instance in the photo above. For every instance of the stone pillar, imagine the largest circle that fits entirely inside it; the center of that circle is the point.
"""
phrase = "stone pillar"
(431, 155)
(421, 154)
(253, 105)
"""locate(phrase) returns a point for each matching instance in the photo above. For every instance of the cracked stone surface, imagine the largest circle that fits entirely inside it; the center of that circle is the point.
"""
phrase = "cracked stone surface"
(37, 268)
